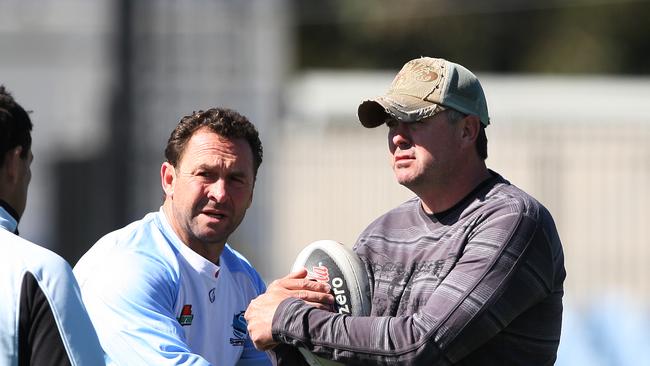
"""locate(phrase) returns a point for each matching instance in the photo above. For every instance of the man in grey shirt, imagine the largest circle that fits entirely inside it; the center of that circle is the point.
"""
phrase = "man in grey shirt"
(469, 272)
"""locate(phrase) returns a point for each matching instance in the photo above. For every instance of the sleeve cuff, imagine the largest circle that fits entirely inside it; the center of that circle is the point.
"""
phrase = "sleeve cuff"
(286, 314)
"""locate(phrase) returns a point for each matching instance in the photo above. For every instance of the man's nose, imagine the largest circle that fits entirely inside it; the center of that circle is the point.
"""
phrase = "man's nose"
(218, 191)
(401, 136)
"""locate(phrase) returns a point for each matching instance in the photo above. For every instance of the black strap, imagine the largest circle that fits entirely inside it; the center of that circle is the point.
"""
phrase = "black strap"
(39, 341)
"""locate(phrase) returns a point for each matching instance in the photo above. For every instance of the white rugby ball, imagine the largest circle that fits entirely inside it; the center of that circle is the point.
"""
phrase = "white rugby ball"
(332, 262)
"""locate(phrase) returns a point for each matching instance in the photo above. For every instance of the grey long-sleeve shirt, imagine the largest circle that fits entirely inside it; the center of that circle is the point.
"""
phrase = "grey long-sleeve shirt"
(479, 284)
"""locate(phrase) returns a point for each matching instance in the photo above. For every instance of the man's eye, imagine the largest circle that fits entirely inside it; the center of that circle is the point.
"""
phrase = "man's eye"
(238, 179)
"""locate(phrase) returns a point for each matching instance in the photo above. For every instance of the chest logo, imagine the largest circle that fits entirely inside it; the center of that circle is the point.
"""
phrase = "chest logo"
(239, 329)
(211, 295)
(186, 315)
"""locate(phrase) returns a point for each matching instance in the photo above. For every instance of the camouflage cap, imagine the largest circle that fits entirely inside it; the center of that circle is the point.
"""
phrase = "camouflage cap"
(424, 87)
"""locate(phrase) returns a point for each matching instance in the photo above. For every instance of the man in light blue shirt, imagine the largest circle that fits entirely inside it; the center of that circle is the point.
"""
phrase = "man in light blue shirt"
(168, 289)
(42, 318)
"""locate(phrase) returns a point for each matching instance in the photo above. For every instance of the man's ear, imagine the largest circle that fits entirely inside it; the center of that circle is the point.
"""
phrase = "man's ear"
(471, 126)
(12, 163)
(168, 178)
(250, 200)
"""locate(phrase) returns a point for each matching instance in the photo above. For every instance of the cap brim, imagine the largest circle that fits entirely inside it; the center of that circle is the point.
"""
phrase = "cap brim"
(404, 108)
(371, 114)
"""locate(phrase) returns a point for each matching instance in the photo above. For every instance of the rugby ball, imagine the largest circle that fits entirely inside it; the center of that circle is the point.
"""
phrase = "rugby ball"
(332, 262)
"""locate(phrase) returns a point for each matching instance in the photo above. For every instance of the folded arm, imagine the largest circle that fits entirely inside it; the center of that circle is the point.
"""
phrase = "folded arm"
(505, 268)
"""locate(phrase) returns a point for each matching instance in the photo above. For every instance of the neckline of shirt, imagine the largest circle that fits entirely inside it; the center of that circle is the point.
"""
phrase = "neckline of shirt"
(197, 261)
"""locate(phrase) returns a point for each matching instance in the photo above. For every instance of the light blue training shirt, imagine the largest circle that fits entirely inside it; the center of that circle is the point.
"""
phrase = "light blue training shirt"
(154, 301)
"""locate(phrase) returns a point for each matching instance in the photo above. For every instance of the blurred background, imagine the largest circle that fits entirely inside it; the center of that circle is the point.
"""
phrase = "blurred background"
(567, 83)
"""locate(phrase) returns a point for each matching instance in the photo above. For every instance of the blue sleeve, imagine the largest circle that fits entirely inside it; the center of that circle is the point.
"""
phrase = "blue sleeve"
(238, 263)
(130, 298)
(251, 356)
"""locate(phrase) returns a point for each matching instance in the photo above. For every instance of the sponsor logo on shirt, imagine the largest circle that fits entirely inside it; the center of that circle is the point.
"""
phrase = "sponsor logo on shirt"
(186, 315)
(239, 329)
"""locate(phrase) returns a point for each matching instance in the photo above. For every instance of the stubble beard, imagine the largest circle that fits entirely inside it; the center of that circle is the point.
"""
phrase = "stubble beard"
(422, 179)
(209, 234)
(408, 177)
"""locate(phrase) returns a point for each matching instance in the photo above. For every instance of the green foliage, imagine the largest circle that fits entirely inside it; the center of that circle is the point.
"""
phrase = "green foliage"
(534, 36)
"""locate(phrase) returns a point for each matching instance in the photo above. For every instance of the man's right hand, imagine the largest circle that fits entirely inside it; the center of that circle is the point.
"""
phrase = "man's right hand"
(261, 310)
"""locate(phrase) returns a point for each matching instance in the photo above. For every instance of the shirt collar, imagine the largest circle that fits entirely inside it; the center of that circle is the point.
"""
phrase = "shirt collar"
(8, 217)
(200, 264)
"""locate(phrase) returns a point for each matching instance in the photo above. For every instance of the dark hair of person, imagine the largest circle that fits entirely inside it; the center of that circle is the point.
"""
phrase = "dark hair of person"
(481, 140)
(15, 126)
(225, 122)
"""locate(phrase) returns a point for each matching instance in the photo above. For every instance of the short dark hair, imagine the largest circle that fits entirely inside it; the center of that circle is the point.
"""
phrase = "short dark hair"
(15, 126)
(481, 140)
(223, 121)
